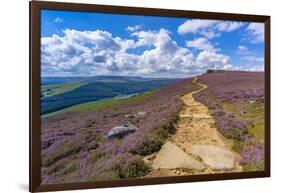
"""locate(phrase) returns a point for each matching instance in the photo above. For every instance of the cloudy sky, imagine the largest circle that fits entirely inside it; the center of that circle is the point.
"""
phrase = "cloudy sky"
(89, 44)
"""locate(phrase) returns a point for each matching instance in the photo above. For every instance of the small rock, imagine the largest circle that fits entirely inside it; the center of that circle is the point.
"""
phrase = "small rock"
(252, 102)
(141, 114)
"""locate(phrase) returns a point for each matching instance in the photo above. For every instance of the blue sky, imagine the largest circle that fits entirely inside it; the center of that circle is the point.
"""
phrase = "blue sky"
(89, 44)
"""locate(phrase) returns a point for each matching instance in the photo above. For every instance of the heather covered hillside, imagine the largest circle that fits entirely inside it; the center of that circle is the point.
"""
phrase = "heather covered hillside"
(236, 100)
(75, 146)
(79, 144)
(149, 96)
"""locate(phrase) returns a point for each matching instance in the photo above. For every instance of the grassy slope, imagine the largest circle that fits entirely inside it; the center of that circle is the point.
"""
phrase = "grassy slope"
(98, 105)
(63, 96)
(251, 113)
(56, 89)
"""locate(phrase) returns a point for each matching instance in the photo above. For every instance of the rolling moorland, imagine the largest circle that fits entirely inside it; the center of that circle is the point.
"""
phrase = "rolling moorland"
(75, 146)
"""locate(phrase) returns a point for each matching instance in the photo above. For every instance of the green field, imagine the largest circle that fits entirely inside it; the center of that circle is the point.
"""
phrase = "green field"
(49, 90)
(97, 105)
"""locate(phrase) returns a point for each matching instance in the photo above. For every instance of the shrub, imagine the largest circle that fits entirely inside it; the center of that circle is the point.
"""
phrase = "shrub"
(230, 126)
(237, 146)
(96, 156)
(92, 145)
(69, 168)
(130, 167)
(252, 154)
(162, 133)
(170, 127)
(254, 167)
(148, 147)
(65, 148)
(55, 168)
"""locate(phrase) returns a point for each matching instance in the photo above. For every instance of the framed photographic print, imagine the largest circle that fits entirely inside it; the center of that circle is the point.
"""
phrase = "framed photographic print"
(123, 96)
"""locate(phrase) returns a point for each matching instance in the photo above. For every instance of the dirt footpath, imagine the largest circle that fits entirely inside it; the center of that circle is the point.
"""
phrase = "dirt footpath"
(196, 147)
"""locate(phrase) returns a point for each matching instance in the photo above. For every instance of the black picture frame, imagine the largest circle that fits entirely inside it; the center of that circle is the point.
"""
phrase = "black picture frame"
(35, 174)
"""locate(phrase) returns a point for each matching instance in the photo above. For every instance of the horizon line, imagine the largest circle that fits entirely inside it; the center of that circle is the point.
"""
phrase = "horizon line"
(89, 76)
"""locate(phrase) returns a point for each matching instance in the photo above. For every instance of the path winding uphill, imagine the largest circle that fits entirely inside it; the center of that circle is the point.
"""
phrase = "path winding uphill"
(196, 147)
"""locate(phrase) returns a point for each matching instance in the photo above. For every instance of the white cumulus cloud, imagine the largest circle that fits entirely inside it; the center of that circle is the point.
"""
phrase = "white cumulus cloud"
(208, 59)
(255, 32)
(208, 28)
(250, 60)
(58, 20)
(228, 26)
(201, 44)
(194, 25)
(243, 51)
(134, 28)
(89, 53)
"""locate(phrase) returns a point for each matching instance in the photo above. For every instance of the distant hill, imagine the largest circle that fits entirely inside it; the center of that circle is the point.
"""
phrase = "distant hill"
(68, 91)
(101, 78)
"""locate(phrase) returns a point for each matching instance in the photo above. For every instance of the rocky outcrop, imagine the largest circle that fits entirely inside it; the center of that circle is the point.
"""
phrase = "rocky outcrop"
(215, 71)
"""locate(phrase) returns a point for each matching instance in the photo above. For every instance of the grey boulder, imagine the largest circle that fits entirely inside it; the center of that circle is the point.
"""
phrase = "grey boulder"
(122, 130)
